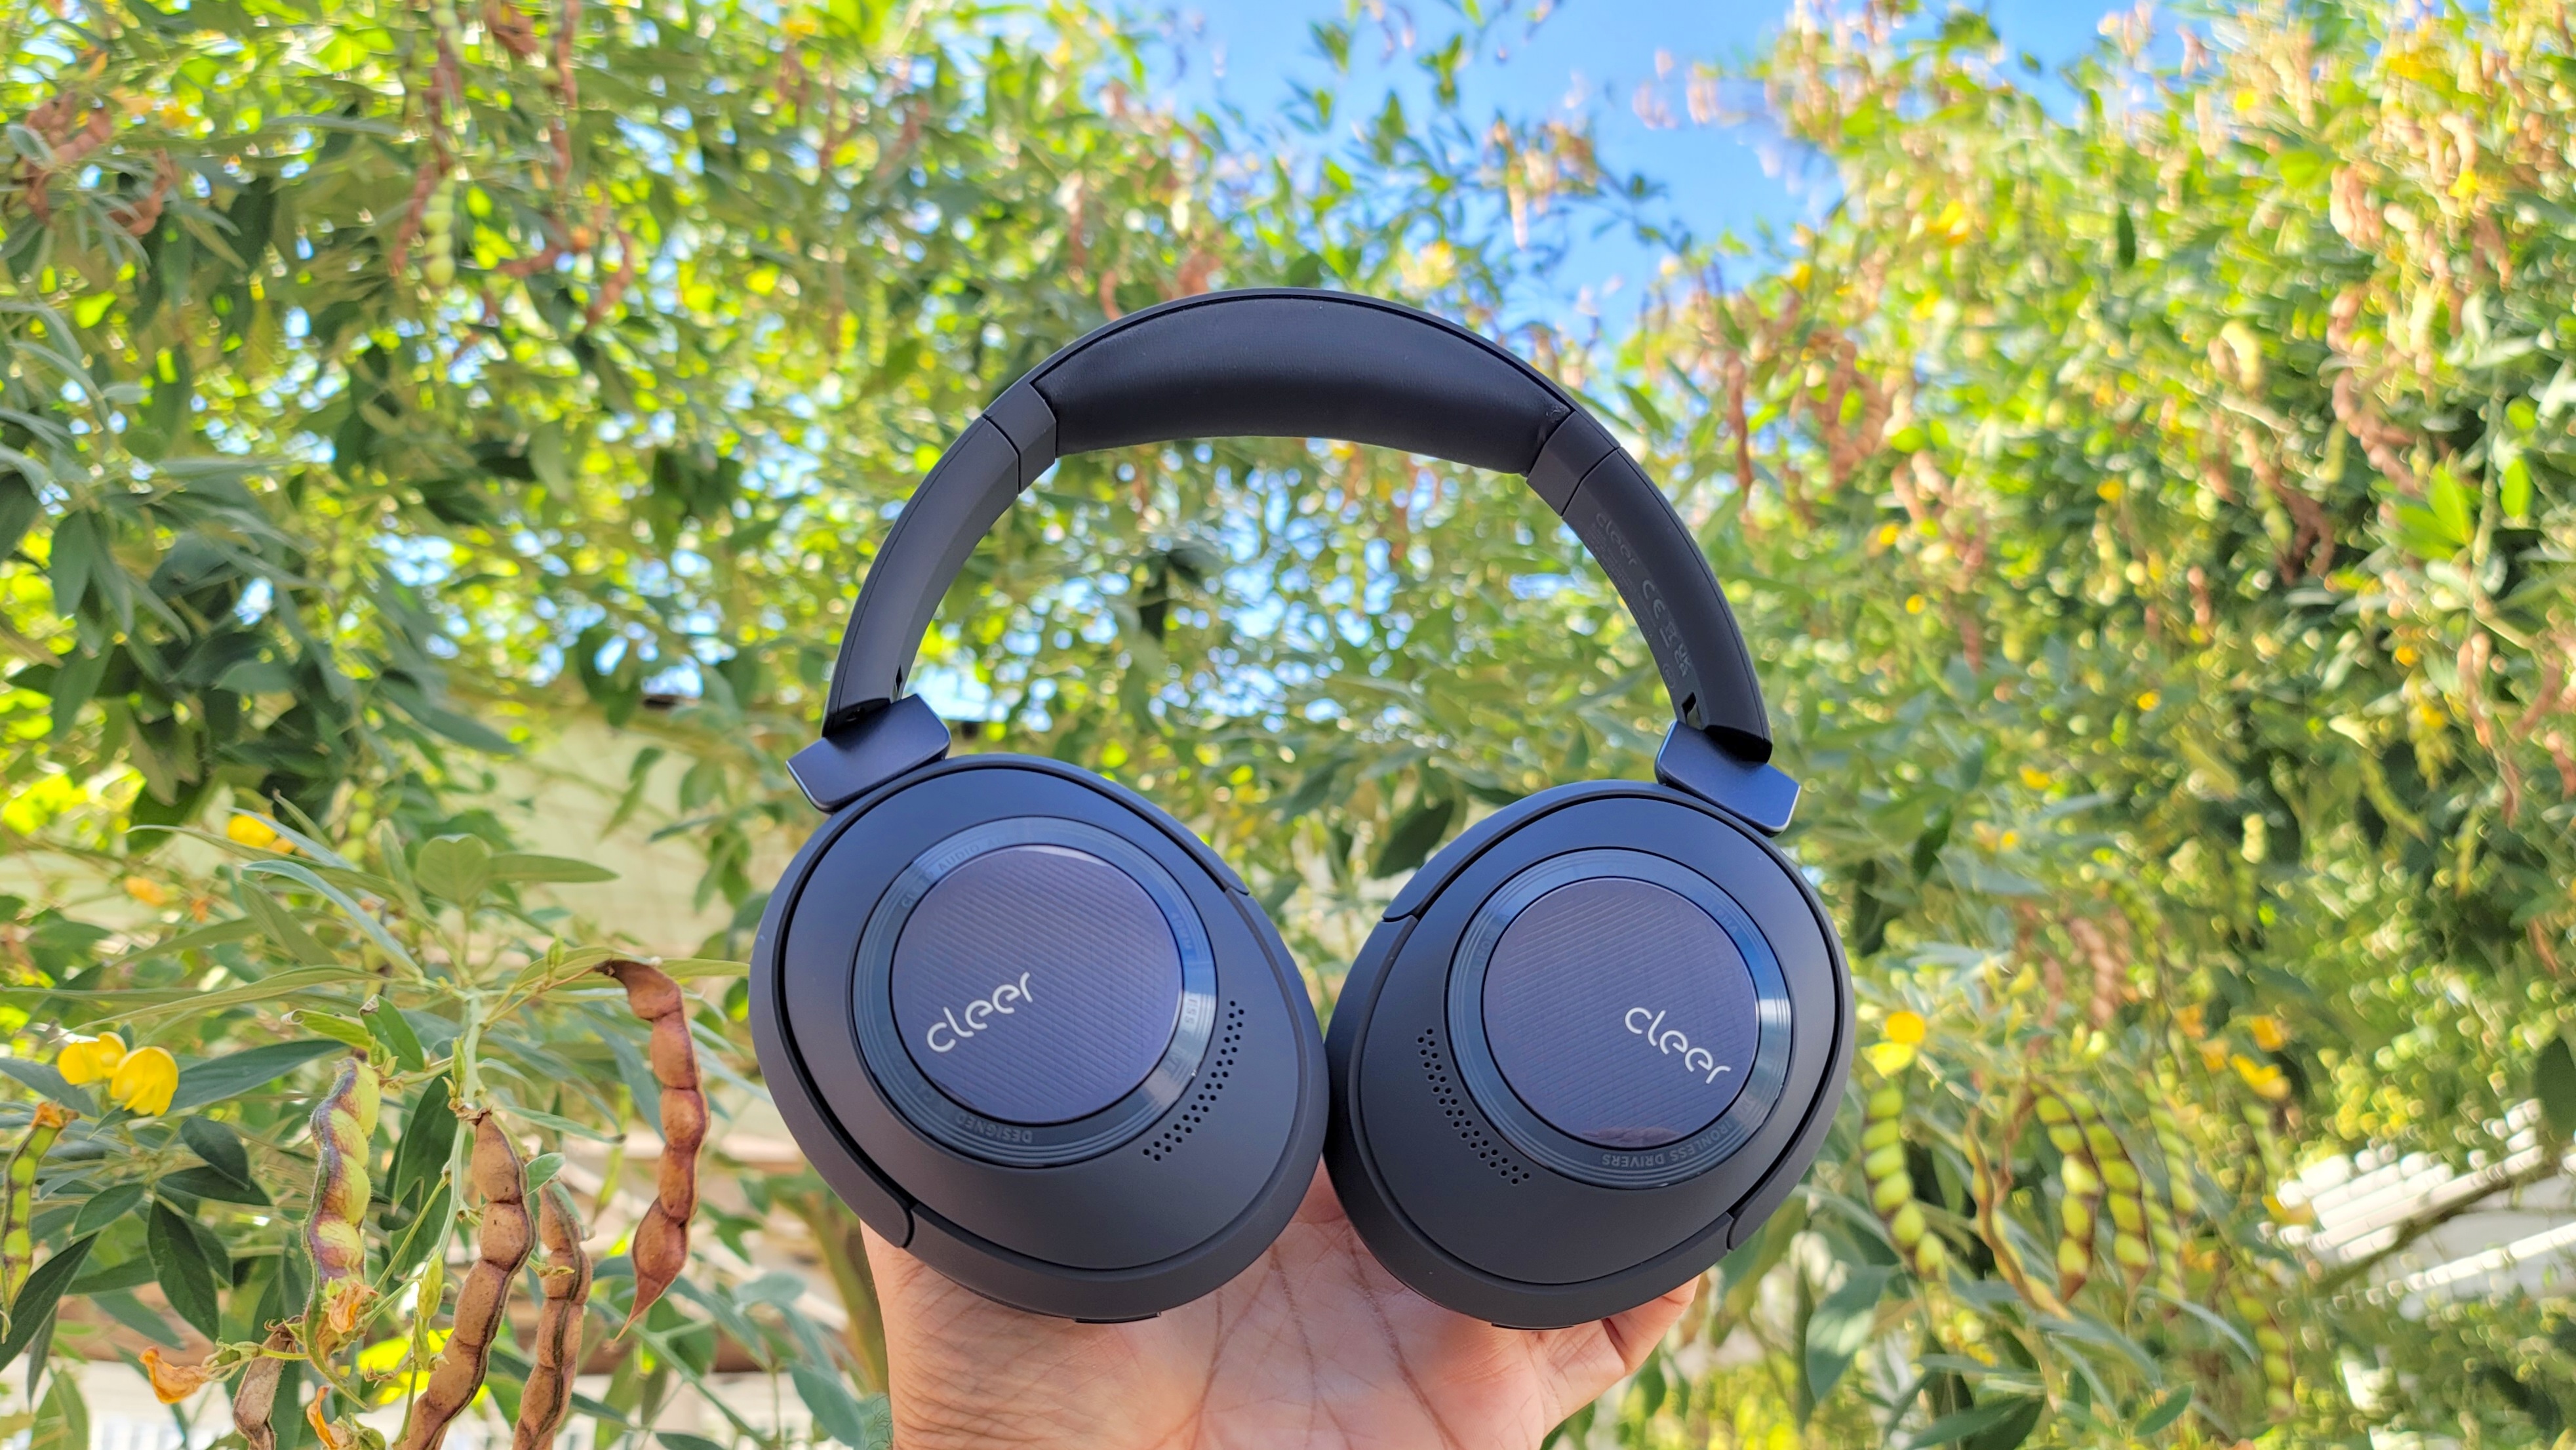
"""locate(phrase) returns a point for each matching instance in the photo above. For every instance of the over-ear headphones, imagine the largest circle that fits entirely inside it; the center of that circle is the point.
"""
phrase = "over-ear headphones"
(1035, 1031)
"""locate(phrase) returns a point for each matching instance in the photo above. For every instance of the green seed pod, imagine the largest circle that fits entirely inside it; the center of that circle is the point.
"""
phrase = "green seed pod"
(2123, 1198)
(17, 1244)
(2168, 1245)
(2081, 1179)
(438, 236)
(2177, 1156)
(1891, 1187)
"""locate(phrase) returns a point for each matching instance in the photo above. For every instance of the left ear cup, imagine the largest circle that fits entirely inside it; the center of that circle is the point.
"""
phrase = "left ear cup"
(1033, 1030)
(1592, 1045)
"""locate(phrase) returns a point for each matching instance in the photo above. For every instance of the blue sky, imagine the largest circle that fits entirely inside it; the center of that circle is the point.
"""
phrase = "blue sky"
(1590, 55)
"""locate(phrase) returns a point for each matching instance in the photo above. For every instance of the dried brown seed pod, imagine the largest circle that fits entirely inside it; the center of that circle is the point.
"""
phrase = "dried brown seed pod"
(662, 1239)
(566, 1276)
(334, 1233)
(501, 1247)
(255, 1398)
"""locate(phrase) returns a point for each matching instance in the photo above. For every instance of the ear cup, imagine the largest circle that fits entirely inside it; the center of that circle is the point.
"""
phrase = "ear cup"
(1035, 1031)
(1591, 1047)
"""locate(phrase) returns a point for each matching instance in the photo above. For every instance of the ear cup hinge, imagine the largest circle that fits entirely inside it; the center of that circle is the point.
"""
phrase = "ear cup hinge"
(853, 759)
(1762, 796)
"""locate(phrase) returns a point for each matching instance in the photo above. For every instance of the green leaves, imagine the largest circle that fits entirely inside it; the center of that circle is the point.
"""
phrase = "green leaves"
(456, 868)
(1413, 835)
(2553, 1082)
(179, 1264)
(1842, 1324)
(837, 1413)
(37, 1297)
(230, 1076)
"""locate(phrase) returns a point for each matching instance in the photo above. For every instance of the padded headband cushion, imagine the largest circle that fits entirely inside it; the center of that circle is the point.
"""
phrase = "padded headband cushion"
(1291, 363)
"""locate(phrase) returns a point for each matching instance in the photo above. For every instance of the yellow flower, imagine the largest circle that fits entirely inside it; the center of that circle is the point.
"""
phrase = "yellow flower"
(146, 890)
(2262, 1077)
(90, 1059)
(2149, 700)
(257, 834)
(2213, 1055)
(2269, 1034)
(172, 1383)
(1905, 1027)
(2036, 779)
(1916, 603)
(1890, 1058)
(2192, 1021)
(145, 1081)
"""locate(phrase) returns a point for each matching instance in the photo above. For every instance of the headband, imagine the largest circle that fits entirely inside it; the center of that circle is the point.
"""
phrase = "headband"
(1295, 363)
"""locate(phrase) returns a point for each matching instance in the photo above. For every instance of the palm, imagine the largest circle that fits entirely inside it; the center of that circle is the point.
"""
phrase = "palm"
(1314, 1345)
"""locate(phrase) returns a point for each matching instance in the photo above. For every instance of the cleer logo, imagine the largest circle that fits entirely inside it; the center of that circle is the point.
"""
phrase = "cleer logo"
(1649, 1024)
(979, 1015)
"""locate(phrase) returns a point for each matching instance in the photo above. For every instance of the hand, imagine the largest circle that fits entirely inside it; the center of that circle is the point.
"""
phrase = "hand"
(1315, 1346)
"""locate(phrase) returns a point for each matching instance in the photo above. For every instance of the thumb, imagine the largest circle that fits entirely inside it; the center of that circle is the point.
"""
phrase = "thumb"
(1635, 1334)
(1589, 1358)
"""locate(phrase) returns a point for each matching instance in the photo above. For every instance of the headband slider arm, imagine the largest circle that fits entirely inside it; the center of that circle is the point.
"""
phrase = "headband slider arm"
(854, 758)
(1577, 445)
(1761, 795)
(1029, 423)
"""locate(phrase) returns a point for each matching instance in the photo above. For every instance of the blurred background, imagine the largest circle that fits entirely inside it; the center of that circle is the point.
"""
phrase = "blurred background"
(2137, 445)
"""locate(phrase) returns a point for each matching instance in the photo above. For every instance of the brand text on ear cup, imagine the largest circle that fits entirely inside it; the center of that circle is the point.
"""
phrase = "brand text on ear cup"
(979, 1015)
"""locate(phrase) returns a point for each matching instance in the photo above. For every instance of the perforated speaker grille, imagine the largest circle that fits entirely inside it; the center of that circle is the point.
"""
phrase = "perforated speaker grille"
(1212, 1081)
(1444, 1090)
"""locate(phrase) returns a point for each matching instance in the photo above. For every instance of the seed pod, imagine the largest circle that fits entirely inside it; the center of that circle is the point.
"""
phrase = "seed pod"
(661, 1247)
(2123, 1189)
(438, 238)
(2280, 1381)
(1991, 1188)
(501, 1247)
(1891, 1186)
(542, 1405)
(17, 1244)
(255, 1398)
(2168, 1244)
(334, 1234)
(2077, 1208)
(2177, 1156)
(2106, 966)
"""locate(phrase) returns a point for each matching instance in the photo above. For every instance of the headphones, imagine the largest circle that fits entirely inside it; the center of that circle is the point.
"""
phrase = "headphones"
(1033, 1030)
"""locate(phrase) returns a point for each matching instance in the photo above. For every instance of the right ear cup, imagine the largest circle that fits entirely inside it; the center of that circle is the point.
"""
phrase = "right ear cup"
(1036, 1032)
(1591, 1047)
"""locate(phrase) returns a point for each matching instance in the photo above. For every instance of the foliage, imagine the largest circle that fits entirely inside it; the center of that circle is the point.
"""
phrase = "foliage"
(2152, 510)
(2194, 737)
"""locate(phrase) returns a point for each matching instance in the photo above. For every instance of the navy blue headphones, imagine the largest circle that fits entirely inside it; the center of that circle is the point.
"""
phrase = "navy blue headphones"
(1034, 1030)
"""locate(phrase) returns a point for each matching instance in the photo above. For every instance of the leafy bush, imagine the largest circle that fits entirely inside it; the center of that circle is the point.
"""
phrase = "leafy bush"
(2152, 508)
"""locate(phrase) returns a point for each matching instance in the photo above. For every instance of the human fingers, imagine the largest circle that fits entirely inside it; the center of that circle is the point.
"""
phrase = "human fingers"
(1633, 1335)
(1587, 1359)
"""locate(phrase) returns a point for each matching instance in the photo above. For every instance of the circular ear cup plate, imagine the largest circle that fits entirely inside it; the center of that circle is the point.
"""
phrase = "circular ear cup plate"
(1619, 1017)
(1590, 1049)
(1155, 1103)
(1033, 991)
